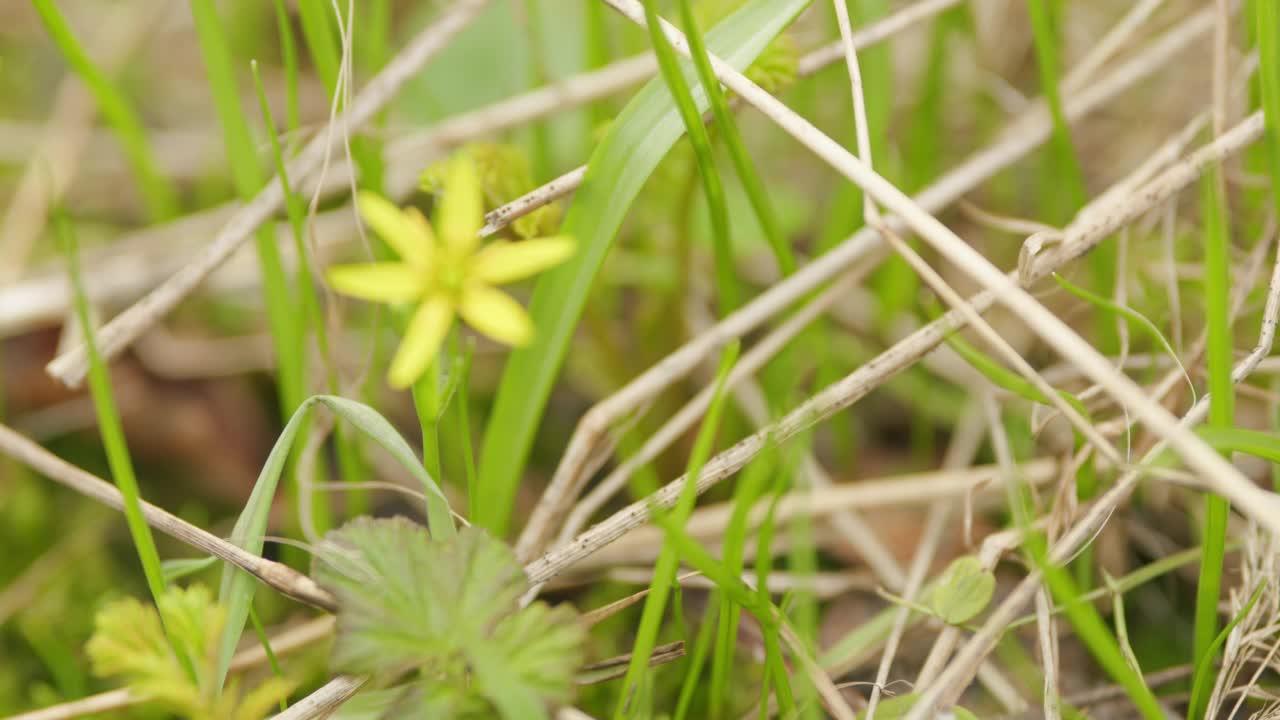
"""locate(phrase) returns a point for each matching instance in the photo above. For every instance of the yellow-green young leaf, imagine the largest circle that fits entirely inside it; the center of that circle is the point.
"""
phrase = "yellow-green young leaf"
(128, 643)
(447, 610)
(963, 591)
(897, 707)
(504, 176)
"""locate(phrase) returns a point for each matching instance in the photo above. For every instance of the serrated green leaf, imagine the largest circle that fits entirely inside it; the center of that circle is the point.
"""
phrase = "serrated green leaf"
(449, 610)
(543, 646)
(963, 591)
(407, 601)
(637, 140)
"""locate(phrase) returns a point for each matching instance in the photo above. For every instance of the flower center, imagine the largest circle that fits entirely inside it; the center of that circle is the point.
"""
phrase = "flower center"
(450, 277)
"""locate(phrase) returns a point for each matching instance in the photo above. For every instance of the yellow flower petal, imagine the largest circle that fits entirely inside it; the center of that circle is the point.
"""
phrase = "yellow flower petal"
(388, 282)
(407, 232)
(461, 207)
(427, 328)
(495, 314)
(503, 262)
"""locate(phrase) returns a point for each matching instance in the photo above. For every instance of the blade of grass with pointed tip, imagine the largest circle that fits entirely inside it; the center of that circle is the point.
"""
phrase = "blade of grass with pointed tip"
(237, 587)
(664, 573)
(1132, 316)
(110, 429)
(1219, 354)
(1201, 686)
(637, 140)
(157, 192)
(313, 320)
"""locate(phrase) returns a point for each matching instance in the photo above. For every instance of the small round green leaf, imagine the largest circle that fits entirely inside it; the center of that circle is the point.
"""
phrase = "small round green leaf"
(963, 591)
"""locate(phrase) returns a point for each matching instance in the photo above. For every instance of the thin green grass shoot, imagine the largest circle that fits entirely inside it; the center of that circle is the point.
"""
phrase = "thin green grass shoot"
(664, 572)
(158, 192)
(728, 292)
(636, 142)
(728, 128)
(1220, 356)
(110, 428)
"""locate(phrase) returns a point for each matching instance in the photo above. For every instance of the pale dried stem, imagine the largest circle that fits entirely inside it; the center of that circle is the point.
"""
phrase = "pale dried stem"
(1002, 346)
(1109, 45)
(1177, 177)
(67, 133)
(908, 351)
(546, 514)
(1048, 634)
(851, 527)
(322, 702)
(1023, 137)
(861, 130)
(708, 523)
(809, 64)
(121, 331)
(960, 453)
(1217, 474)
(282, 643)
(279, 576)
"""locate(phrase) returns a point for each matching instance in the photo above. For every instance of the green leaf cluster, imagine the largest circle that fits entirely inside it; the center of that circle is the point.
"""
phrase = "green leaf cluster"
(445, 616)
(504, 176)
(129, 642)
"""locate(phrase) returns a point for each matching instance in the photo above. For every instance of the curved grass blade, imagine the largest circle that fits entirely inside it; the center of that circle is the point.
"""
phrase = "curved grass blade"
(636, 142)
(237, 587)
(1131, 315)
(1204, 669)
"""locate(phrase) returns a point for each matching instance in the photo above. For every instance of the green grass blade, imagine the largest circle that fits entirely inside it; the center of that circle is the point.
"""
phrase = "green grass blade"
(237, 587)
(1007, 379)
(248, 179)
(1068, 180)
(636, 142)
(1092, 630)
(1267, 14)
(322, 41)
(158, 194)
(1064, 190)
(247, 176)
(1219, 354)
(109, 426)
(698, 658)
(664, 573)
(728, 127)
(1131, 315)
(727, 290)
(265, 641)
(288, 58)
(1201, 685)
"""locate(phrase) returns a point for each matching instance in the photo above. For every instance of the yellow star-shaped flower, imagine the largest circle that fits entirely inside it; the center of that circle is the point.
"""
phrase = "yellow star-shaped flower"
(450, 275)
